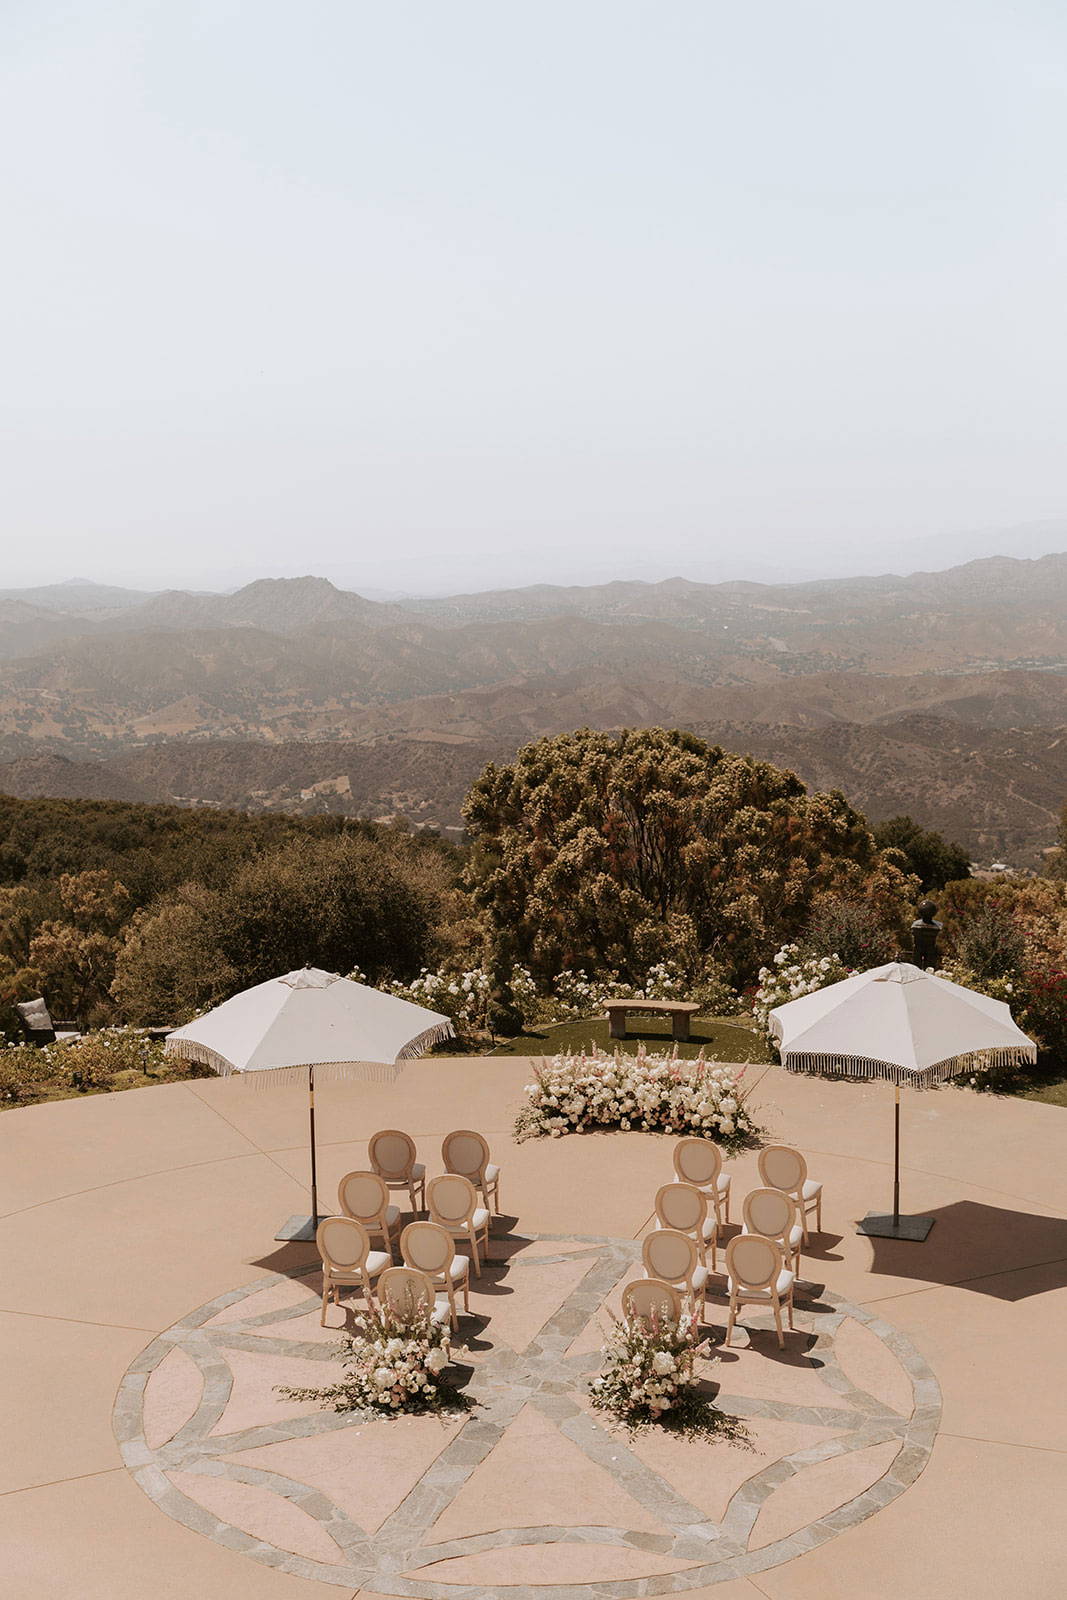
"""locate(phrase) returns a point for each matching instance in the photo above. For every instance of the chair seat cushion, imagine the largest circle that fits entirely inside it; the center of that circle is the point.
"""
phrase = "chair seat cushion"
(722, 1183)
(708, 1229)
(811, 1189)
(700, 1278)
(784, 1284)
(480, 1219)
(418, 1170)
(392, 1214)
(459, 1268)
(492, 1172)
(378, 1260)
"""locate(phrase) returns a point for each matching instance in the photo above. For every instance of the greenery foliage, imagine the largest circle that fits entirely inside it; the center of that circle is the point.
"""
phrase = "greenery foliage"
(933, 859)
(610, 851)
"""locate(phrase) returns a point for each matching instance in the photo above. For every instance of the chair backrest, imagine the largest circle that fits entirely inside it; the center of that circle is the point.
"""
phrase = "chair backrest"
(681, 1206)
(697, 1161)
(405, 1290)
(782, 1168)
(392, 1153)
(363, 1195)
(343, 1243)
(752, 1261)
(427, 1247)
(450, 1199)
(466, 1153)
(36, 1020)
(670, 1255)
(647, 1298)
(771, 1212)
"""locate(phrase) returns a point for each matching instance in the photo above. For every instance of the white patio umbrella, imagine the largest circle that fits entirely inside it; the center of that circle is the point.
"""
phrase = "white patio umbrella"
(899, 1023)
(309, 1021)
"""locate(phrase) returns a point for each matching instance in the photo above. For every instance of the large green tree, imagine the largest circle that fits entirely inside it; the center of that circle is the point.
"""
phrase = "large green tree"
(934, 859)
(611, 850)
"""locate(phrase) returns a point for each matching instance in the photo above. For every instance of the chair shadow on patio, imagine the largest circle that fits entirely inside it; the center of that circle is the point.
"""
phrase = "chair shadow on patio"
(991, 1250)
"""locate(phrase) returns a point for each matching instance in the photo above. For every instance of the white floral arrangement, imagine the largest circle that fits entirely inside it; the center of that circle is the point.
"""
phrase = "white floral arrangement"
(791, 975)
(648, 1374)
(391, 1364)
(655, 1092)
(463, 996)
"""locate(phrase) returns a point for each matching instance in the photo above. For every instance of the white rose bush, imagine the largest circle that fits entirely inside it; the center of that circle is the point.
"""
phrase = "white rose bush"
(653, 1092)
(392, 1364)
(791, 975)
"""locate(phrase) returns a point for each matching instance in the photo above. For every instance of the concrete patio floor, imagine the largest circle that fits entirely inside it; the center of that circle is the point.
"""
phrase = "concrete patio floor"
(910, 1442)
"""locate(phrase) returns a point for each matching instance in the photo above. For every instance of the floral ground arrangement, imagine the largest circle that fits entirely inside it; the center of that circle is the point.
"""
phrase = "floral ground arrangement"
(109, 1059)
(651, 1091)
(392, 1364)
(649, 1378)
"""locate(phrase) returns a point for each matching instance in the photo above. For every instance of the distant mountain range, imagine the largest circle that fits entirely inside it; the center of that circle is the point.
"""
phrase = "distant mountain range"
(943, 693)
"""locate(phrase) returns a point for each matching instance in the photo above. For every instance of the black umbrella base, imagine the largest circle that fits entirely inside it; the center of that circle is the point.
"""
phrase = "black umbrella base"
(298, 1230)
(876, 1225)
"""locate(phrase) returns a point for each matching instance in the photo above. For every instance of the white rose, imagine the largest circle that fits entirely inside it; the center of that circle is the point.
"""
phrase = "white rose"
(663, 1362)
(383, 1377)
(436, 1361)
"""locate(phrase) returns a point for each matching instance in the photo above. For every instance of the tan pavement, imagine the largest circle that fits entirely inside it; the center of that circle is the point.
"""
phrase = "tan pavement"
(122, 1214)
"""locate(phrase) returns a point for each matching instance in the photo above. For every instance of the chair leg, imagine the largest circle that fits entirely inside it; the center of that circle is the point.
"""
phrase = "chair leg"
(467, 1293)
(818, 1213)
(473, 1237)
(789, 1309)
(730, 1320)
(325, 1301)
(778, 1322)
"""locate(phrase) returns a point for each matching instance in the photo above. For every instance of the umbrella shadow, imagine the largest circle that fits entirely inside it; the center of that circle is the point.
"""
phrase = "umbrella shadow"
(1010, 1255)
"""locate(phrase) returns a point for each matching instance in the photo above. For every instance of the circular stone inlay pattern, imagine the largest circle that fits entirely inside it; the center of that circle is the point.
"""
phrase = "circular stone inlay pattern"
(312, 1534)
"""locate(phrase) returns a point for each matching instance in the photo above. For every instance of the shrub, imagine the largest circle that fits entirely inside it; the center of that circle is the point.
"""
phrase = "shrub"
(851, 931)
(791, 975)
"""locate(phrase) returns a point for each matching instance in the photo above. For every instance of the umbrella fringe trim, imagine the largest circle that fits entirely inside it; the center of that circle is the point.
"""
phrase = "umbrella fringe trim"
(272, 1077)
(837, 1066)
(426, 1040)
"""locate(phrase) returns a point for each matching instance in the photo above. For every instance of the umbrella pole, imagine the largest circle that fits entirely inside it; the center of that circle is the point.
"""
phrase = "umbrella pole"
(305, 1228)
(896, 1158)
(311, 1122)
(876, 1225)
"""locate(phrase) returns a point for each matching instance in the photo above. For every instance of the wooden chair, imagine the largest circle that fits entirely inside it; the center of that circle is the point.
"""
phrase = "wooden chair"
(405, 1290)
(347, 1259)
(757, 1275)
(674, 1258)
(468, 1154)
(685, 1208)
(392, 1156)
(365, 1197)
(783, 1168)
(774, 1214)
(650, 1299)
(453, 1204)
(699, 1162)
(429, 1249)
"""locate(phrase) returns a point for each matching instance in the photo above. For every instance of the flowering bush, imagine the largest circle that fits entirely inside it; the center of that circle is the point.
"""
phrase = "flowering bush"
(393, 1363)
(463, 996)
(110, 1058)
(648, 1091)
(791, 975)
(1038, 1000)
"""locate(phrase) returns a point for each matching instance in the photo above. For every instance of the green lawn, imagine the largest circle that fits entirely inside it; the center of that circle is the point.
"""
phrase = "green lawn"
(722, 1039)
(1053, 1094)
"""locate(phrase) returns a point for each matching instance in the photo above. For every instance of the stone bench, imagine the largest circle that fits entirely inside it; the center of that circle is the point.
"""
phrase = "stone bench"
(681, 1013)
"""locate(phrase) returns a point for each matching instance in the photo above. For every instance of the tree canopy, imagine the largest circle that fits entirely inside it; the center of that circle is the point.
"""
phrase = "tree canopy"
(934, 859)
(605, 850)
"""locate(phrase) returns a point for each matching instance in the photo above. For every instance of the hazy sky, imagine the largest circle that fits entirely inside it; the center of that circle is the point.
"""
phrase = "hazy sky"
(427, 295)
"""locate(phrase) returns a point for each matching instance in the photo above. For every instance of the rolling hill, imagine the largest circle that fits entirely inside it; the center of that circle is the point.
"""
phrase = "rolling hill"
(941, 693)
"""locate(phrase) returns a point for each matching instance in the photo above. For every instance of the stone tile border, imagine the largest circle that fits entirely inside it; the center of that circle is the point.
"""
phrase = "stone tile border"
(506, 1380)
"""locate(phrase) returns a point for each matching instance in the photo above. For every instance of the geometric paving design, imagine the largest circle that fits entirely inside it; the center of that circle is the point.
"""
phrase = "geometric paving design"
(355, 1503)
